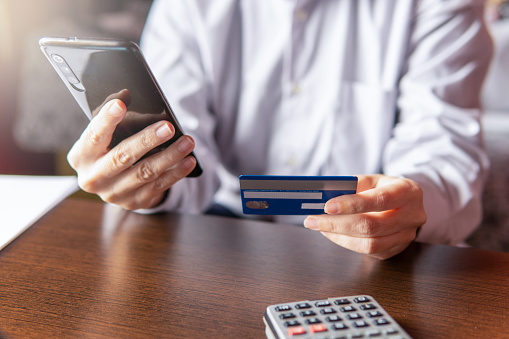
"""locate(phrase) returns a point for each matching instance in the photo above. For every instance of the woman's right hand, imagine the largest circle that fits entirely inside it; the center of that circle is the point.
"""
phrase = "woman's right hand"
(113, 174)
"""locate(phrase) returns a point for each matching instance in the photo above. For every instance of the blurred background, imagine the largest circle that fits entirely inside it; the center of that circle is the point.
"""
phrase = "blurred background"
(39, 120)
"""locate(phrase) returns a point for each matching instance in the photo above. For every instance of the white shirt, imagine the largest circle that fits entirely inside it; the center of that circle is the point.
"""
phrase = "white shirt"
(336, 87)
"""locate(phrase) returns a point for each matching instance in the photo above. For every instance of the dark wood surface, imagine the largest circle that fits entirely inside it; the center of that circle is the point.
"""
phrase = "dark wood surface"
(92, 270)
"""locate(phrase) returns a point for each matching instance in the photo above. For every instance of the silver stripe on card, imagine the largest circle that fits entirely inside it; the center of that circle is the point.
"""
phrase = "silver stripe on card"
(312, 205)
(299, 185)
(282, 195)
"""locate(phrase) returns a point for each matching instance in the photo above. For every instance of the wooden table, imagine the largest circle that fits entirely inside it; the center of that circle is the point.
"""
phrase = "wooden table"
(92, 270)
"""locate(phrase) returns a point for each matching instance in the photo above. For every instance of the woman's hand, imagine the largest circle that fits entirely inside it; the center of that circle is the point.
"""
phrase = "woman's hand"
(381, 220)
(113, 174)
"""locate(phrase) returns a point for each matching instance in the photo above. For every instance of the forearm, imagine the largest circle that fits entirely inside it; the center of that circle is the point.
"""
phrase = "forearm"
(171, 51)
(438, 141)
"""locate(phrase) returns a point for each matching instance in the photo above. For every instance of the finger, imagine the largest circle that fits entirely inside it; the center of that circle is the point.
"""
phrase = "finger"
(364, 225)
(149, 169)
(373, 224)
(97, 136)
(378, 247)
(150, 194)
(123, 95)
(94, 141)
(366, 182)
(161, 162)
(126, 153)
(396, 193)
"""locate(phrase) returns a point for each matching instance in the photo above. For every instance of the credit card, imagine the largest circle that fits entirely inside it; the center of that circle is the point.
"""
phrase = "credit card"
(292, 195)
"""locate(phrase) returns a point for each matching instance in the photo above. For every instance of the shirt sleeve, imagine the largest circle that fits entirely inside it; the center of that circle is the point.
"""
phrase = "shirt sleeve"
(171, 47)
(438, 139)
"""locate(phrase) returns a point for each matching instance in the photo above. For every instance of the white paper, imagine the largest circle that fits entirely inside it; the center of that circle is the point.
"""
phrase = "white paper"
(25, 199)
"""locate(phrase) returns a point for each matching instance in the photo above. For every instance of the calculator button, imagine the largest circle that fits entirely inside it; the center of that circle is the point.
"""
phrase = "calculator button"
(287, 315)
(296, 331)
(391, 331)
(360, 323)
(302, 305)
(361, 300)
(354, 316)
(317, 328)
(374, 314)
(312, 321)
(341, 301)
(333, 318)
(367, 307)
(307, 313)
(322, 303)
(356, 335)
(374, 334)
(347, 309)
(282, 308)
(339, 327)
(382, 321)
(328, 311)
(292, 323)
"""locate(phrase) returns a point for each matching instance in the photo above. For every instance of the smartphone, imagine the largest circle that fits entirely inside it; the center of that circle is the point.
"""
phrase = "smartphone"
(98, 70)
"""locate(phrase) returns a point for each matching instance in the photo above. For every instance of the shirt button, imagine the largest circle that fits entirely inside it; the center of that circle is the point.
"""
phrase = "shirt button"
(296, 89)
(301, 15)
(292, 161)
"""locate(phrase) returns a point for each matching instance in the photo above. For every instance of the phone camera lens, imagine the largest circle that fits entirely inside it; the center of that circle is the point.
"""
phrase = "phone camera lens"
(66, 69)
(73, 80)
(57, 58)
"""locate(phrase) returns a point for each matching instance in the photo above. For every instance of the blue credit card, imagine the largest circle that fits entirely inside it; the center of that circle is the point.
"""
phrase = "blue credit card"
(292, 195)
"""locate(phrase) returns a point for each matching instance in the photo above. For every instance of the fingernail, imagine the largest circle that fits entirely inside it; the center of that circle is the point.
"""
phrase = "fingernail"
(185, 144)
(116, 109)
(164, 131)
(332, 208)
(311, 223)
(188, 163)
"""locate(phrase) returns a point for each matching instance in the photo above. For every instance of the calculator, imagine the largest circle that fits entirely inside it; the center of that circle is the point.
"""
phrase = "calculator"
(359, 316)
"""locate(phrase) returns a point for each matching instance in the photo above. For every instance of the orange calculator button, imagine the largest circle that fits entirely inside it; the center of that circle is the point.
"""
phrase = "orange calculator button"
(296, 331)
(317, 328)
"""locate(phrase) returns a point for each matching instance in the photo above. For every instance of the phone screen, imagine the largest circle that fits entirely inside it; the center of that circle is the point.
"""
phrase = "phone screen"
(97, 74)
